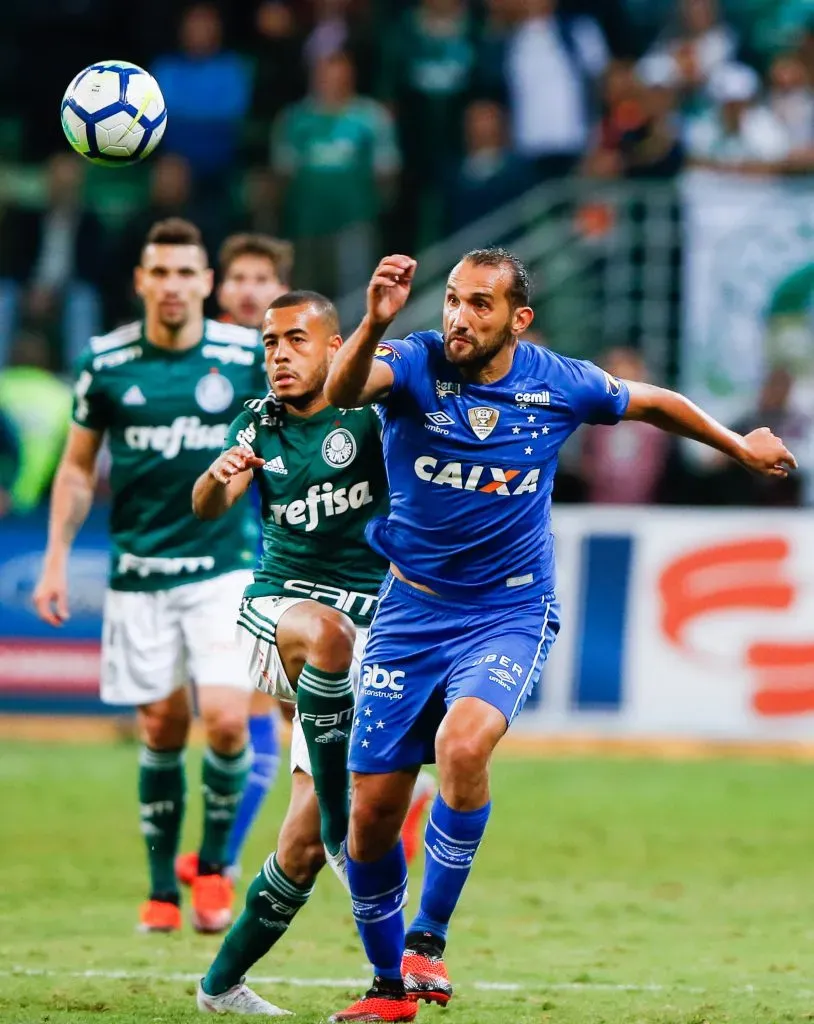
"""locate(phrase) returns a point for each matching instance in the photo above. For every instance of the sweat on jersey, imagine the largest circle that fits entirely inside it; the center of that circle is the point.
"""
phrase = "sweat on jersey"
(471, 466)
(166, 414)
(322, 480)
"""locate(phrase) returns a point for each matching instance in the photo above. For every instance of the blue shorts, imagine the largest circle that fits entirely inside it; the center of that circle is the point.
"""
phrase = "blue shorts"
(425, 652)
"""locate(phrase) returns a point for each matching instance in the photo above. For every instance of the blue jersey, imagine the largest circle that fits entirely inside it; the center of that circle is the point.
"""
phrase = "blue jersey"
(471, 466)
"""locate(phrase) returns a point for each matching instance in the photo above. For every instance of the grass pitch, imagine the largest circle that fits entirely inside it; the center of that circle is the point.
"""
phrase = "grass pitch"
(606, 891)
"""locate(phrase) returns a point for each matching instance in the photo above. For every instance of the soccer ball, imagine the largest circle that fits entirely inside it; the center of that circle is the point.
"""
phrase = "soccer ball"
(113, 113)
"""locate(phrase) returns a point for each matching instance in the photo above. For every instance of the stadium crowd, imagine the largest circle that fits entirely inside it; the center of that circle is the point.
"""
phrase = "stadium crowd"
(354, 128)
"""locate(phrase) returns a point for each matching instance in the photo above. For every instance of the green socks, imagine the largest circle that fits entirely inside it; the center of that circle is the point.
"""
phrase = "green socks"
(271, 903)
(161, 794)
(325, 707)
(222, 781)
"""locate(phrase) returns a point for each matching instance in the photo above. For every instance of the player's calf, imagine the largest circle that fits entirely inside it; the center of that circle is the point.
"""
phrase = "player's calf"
(325, 704)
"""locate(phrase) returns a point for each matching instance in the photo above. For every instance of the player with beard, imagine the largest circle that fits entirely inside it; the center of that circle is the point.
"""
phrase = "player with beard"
(473, 421)
(163, 391)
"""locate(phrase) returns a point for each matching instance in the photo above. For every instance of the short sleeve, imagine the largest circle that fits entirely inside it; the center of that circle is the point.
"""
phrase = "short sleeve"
(596, 397)
(407, 358)
(242, 432)
(90, 408)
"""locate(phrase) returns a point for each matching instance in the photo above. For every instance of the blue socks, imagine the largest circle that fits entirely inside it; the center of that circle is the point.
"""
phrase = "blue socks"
(265, 762)
(451, 842)
(379, 891)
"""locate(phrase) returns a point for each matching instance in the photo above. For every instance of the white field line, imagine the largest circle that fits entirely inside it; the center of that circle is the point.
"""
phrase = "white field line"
(354, 983)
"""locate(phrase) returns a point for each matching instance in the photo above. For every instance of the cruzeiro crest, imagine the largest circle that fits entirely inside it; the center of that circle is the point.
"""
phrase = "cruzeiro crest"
(483, 420)
(339, 447)
(214, 392)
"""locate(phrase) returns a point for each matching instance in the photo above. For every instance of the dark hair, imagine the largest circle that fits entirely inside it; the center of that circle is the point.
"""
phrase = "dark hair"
(494, 256)
(319, 303)
(277, 251)
(175, 231)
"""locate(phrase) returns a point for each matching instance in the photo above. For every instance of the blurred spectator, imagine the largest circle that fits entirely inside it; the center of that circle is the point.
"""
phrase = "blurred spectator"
(38, 405)
(208, 90)
(774, 410)
(791, 100)
(427, 61)
(699, 42)
(551, 64)
(261, 202)
(738, 135)
(52, 260)
(339, 26)
(625, 464)
(653, 149)
(489, 174)
(638, 135)
(336, 154)
(171, 195)
(275, 40)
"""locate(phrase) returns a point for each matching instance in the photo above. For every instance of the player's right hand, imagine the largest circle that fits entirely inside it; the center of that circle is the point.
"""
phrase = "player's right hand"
(234, 461)
(51, 597)
(763, 452)
(389, 288)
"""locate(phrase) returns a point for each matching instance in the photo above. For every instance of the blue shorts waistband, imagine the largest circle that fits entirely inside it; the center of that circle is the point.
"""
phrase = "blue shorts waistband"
(393, 583)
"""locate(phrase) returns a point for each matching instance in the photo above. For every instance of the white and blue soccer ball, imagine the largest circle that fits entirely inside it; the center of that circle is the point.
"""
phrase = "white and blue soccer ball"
(113, 113)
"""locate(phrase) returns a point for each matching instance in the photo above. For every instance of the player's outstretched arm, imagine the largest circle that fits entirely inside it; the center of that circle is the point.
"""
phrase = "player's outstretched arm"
(71, 499)
(759, 451)
(355, 378)
(224, 483)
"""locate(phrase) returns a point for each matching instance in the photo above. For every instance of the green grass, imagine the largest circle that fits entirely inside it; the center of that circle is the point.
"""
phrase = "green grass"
(607, 891)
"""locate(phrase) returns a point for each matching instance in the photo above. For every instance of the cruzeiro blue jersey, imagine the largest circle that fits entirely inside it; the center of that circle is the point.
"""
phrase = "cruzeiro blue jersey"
(471, 466)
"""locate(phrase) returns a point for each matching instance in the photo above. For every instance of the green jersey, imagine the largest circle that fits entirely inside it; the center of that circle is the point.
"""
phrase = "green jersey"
(166, 414)
(322, 481)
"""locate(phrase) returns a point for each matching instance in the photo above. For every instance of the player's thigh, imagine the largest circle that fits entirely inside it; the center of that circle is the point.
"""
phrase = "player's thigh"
(258, 623)
(403, 671)
(208, 613)
(317, 633)
(501, 663)
(143, 653)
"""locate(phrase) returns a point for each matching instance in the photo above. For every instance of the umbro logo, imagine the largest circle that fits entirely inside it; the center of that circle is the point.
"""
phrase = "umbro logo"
(276, 465)
(134, 396)
(332, 736)
(438, 422)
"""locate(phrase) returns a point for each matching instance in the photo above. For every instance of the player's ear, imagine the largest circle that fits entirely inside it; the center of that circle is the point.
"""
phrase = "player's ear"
(521, 319)
(334, 345)
(209, 282)
(138, 277)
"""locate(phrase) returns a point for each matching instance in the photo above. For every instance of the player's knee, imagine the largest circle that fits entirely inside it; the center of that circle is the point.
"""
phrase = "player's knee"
(163, 730)
(374, 826)
(462, 756)
(226, 730)
(330, 641)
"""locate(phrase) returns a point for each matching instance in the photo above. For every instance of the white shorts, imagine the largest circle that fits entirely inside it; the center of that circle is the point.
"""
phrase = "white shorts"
(258, 621)
(154, 642)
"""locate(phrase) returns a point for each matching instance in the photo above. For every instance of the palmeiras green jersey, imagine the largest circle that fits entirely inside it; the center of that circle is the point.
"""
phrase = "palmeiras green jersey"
(166, 414)
(322, 481)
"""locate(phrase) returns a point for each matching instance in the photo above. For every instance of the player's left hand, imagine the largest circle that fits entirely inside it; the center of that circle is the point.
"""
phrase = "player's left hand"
(763, 452)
